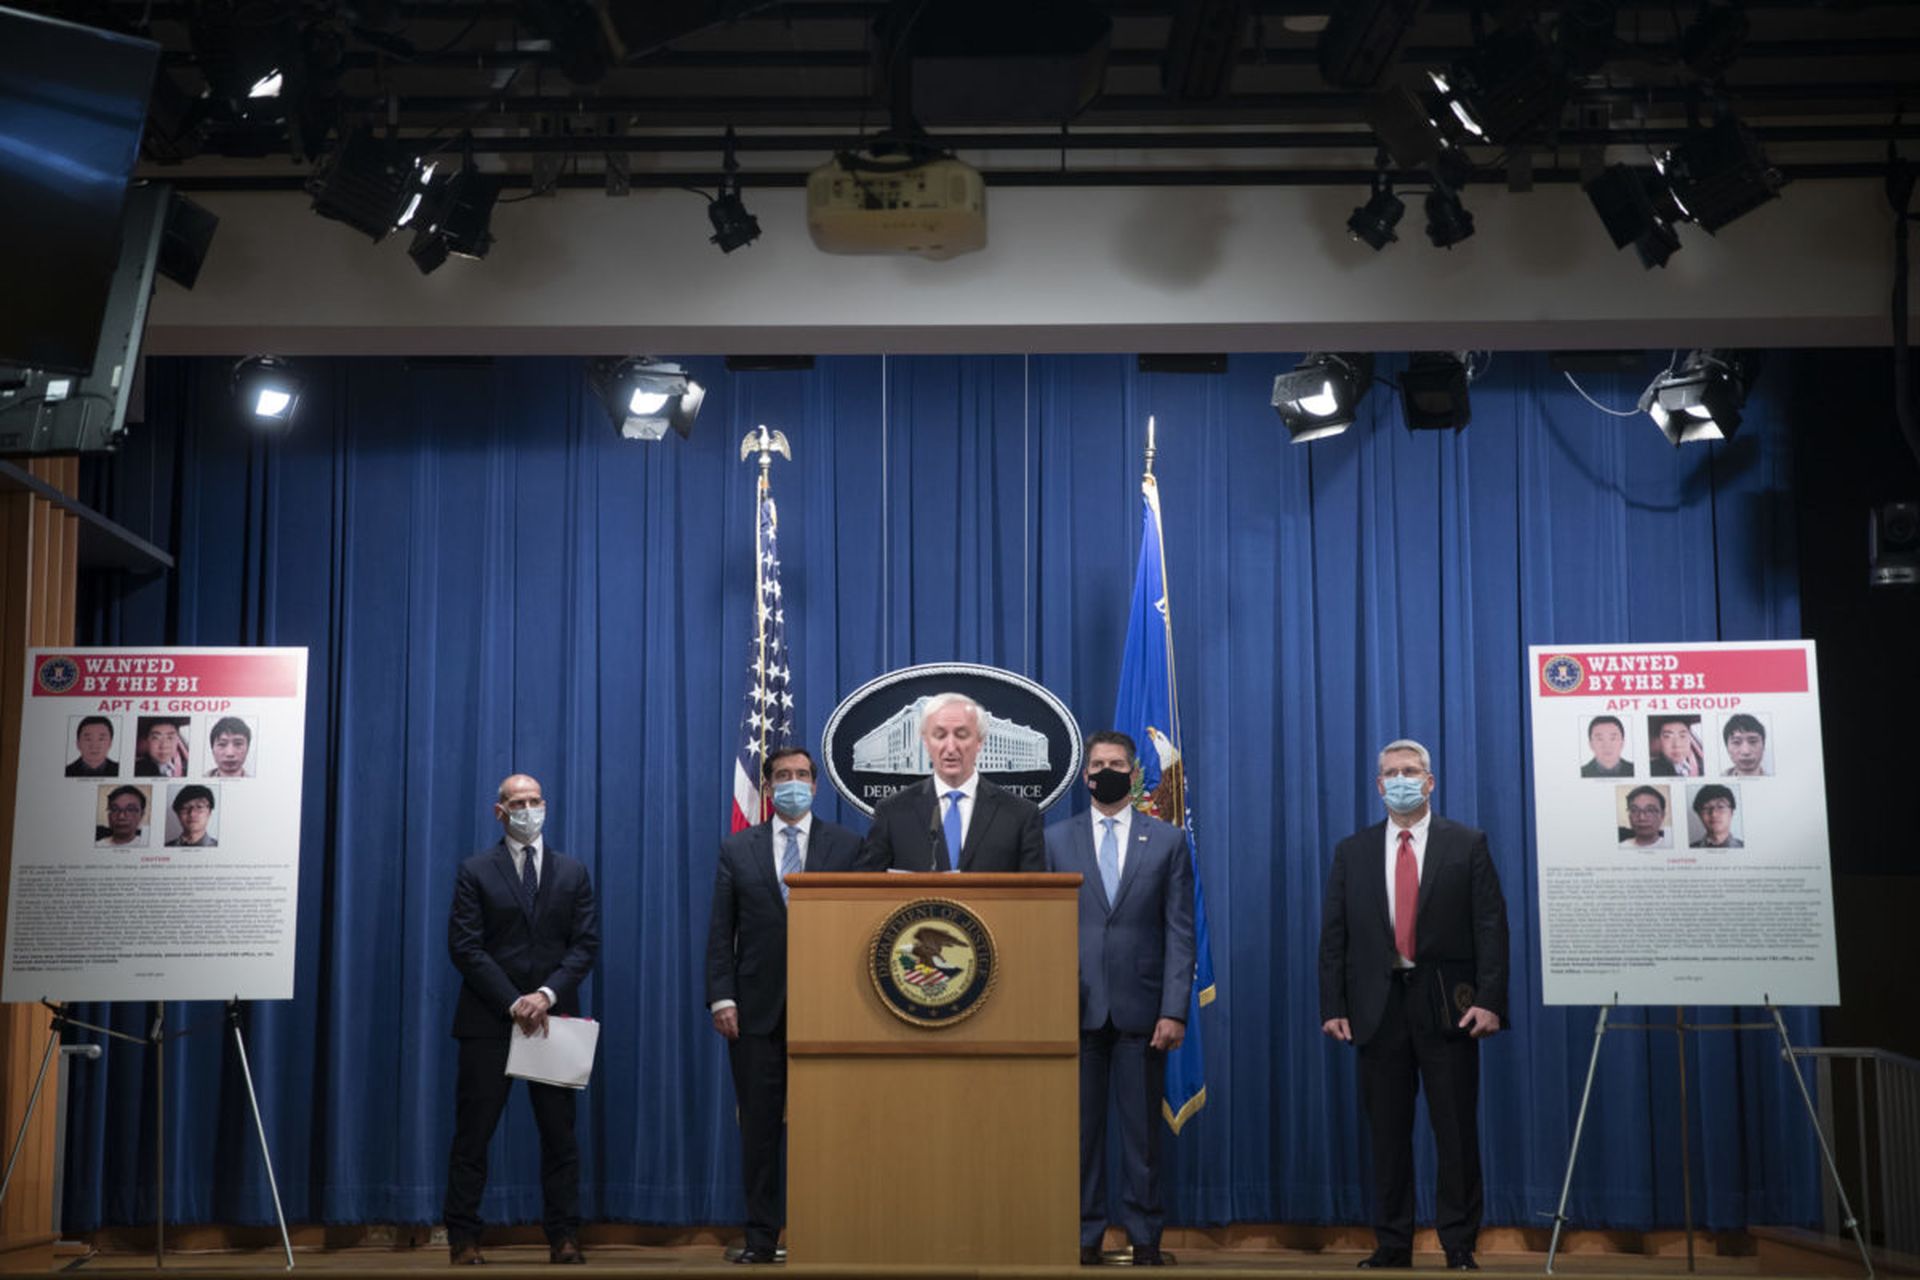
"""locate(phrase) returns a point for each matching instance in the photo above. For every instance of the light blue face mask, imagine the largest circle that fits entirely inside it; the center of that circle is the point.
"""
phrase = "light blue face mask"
(525, 823)
(1404, 795)
(792, 798)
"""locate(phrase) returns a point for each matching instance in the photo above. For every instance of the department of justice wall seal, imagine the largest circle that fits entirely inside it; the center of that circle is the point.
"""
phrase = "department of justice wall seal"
(933, 962)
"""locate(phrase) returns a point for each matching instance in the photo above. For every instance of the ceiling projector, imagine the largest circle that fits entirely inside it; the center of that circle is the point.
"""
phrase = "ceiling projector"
(935, 208)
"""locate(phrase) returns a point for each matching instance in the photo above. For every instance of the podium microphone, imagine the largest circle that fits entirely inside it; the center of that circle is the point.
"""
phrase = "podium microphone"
(936, 834)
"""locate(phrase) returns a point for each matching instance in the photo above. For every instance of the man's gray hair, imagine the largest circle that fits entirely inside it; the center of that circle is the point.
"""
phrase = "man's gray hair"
(941, 701)
(1405, 744)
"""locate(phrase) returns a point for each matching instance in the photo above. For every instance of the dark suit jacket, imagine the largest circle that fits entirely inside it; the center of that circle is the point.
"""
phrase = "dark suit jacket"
(1136, 954)
(505, 946)
(1004, 835)
(747, 931)
(1460, 930)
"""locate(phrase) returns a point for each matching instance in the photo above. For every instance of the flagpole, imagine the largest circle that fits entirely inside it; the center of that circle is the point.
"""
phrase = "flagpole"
(765, 444)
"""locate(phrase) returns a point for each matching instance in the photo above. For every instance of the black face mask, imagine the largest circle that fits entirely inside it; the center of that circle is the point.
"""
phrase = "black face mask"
(1109, 786)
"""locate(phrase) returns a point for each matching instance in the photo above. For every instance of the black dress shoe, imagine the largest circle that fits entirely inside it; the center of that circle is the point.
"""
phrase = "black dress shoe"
(1149, 1255)
(1461, 1260)
(1387, 1258)
(1089, 1255)
(756, 1257)
(566, 1253)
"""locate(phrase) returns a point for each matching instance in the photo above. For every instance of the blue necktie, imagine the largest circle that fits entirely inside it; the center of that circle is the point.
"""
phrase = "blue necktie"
(1109, 859)
(789, 858)
(528, 879)
(953, 828)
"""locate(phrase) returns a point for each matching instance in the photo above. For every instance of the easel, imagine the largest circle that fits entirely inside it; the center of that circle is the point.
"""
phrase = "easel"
(155, 1039)
(1679, 1026)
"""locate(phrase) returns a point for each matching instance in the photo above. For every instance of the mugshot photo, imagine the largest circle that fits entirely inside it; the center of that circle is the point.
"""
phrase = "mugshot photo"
(231, 748)
(93, 745)
(161, 747)
(1603, 746)
(1713, 817)
(1674, 744)
(1642, 816)
(121, 815)
(193, 816)
(1746, 745)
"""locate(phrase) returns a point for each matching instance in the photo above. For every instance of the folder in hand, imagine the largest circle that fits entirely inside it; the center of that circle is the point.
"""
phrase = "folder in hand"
(564, 1056)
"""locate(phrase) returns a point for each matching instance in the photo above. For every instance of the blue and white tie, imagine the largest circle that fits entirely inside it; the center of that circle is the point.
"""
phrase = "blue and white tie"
(789, 858)
(1109, 859)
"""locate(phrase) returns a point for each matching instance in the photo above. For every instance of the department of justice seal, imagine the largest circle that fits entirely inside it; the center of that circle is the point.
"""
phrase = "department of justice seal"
(58, 673)
(933, 962)
(1563, 673)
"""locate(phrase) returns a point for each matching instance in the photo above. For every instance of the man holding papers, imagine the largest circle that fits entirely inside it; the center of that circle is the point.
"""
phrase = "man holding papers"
(524, 933)
(747, 971)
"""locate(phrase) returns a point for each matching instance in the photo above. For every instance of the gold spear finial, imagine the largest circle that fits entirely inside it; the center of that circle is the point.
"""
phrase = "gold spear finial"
(1149, 446)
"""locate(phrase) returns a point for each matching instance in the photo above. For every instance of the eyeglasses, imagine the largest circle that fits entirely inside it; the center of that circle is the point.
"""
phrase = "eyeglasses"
(1645, 810)
(1404, 771)
(1716, 806)
(125, 810)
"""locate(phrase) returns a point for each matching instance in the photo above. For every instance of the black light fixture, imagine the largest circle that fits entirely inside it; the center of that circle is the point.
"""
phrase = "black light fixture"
(1321, 395)
(1893, 544)
(1703, 397)
(266, 390)
(1637, 209)
(1511, 85)
(1433, 391)
(1448, 221)
(733, 226)
(364, 182)
(645, 397)
(1373, 222)
(450, 214)
(1719, 172)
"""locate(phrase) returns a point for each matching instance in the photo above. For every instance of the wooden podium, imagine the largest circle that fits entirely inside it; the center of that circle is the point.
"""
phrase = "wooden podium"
(954, 1145)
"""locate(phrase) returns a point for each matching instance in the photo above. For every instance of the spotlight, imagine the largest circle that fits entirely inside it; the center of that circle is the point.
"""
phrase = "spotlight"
(1719, 173)
(1373, 222)
(1511, 85)
(1637, 209)
(450, 216)
(1321, 396)
(1448, 222)
(1433, 391)
(733, 226)
(364, 182)
(266, 390)
(1702, 399)
(645, 397)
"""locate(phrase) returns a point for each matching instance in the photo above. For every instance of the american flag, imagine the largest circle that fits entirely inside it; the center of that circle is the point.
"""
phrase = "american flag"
(767, 718)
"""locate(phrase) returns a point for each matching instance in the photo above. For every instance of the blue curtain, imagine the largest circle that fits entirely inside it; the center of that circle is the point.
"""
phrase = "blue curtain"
(488, 580)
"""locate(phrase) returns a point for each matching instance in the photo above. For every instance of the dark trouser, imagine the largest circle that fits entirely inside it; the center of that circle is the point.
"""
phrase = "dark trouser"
(760, 1091)
(1136, 1075)
(480, 1095)
(1407, 1053)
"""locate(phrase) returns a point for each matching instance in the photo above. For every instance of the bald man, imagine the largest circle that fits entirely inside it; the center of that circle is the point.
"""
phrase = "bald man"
(524, 933)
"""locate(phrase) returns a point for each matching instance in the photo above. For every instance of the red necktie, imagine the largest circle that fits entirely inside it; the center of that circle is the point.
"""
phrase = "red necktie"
(1406, 895)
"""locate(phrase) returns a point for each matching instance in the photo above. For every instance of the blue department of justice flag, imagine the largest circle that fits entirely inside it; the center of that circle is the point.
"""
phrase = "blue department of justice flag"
(1148, 709)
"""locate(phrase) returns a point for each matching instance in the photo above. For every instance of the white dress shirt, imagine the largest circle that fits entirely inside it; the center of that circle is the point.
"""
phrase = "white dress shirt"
(520, 852)
(1419, 830)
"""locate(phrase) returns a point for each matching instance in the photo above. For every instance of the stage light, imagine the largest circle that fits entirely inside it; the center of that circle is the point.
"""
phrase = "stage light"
(267, 86)
(450, 216)
(1510, 86)
(1702, 399)
(1321, 396)
(733, 226)
(1433, 391)
(1638, 210)
(1372, 223)
(364, 182)
(644, 397)
(1448, 221)
(266, 390)
(1719, 172)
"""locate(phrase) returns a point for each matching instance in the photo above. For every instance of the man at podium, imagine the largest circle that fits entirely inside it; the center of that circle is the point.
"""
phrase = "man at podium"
(956, 820)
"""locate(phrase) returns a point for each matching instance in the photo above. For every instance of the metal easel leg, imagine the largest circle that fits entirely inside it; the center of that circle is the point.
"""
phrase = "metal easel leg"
(1826, 1152)
(33, 1100)
(1579, 1125)
(259, 1127)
